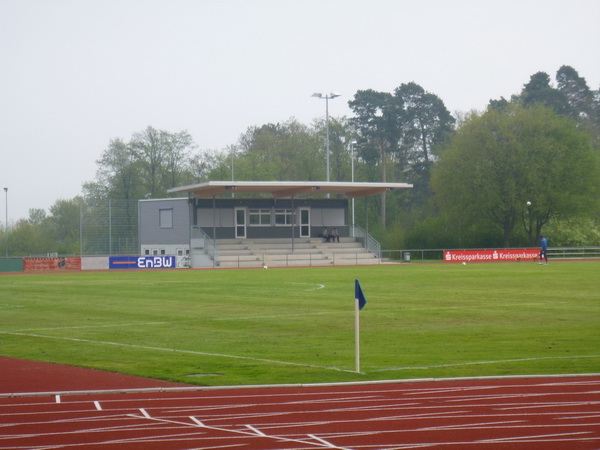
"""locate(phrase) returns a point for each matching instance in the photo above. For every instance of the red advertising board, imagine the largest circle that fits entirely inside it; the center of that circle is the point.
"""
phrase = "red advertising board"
(37, 264)
(493, 255)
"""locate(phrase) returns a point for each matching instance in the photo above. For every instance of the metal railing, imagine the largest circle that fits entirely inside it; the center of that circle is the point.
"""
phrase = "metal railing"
(574, 252)
(209, 245)
(367, 240)
(437, 255)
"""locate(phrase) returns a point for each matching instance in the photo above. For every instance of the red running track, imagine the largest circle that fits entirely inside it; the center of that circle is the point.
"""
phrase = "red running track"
(527, 413)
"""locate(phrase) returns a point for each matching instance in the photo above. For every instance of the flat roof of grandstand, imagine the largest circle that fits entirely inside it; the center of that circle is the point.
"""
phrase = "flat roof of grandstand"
(280, 189)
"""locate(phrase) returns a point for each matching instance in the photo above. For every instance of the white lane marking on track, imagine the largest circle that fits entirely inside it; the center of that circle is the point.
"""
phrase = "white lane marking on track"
(197, 421)
(323, 441)
(146, 415)
(258, 432)
(191, 352)
(57, 398)
(533, 438)
(253, 431)
(97, 405)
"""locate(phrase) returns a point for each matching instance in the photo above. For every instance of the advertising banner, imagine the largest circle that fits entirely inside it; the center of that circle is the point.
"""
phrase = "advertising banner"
(493, 255)
(38, 264)
(142, 262)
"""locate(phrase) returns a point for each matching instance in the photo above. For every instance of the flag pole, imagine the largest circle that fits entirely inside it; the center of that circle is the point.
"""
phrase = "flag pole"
(357, 335)
(359, 302)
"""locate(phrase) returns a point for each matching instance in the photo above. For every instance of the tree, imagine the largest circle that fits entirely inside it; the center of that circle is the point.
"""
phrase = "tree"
(583, 102)
(149, 164)
(500, 160)
(539, 90)
(118, 174)
(282, 151)
(402, 129)
(576, 92)
(424, 124)
(376, 124)
(160, 156)
(63, 224)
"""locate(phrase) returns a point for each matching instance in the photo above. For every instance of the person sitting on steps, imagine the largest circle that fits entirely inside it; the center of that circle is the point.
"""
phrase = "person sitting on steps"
(325, 235)
(335, 235)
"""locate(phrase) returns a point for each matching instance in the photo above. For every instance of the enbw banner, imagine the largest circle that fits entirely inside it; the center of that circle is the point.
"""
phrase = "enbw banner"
(141, 262)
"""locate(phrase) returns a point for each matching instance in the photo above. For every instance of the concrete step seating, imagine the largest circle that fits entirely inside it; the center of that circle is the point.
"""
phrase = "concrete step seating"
(278, 252)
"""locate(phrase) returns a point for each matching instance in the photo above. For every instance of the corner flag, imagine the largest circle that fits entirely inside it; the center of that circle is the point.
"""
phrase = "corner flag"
(358, 294)
(359, 303)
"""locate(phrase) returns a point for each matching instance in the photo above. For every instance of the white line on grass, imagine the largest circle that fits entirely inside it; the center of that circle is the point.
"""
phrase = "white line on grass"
(303, 314)
(318, 286)
(191, 352)
(92, 326)
(471, 363)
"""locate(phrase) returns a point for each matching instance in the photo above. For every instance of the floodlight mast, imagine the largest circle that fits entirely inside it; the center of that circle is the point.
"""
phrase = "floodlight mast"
(326, 97)
(6, 222)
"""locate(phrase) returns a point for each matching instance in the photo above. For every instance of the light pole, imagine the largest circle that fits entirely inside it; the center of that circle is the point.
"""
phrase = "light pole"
(326, 97)
(6, 223)
(352, 144)
(232, 173)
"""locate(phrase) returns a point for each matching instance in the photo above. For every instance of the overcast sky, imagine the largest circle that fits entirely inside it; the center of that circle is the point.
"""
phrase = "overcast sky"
(75, 74)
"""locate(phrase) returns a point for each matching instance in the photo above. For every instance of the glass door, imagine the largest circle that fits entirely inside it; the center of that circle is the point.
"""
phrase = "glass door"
(304, 222)
(240, 223)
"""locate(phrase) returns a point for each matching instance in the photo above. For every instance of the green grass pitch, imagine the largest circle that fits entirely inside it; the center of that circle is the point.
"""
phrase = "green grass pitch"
(296, 325)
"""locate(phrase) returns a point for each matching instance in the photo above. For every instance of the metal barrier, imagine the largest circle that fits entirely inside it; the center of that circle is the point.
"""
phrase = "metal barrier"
(437, 255)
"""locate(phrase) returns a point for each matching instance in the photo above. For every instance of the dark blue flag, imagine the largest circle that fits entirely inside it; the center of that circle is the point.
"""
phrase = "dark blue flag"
(358, 293)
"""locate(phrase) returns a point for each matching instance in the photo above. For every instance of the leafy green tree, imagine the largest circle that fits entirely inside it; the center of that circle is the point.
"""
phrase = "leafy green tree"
(539, 90)
(118, 174)
(576, 92)
(160, 156)
(29, 239)
(403, 129)
(339, 156)
(584, 103)
(425, 124)
(146, 166)
(376, 124)
(502, 159)
(200, 165)
(37, 216)
(63, 225)
(283, 151)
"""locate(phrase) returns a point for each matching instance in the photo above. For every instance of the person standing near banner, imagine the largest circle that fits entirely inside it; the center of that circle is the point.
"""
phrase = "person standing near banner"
(544, 249)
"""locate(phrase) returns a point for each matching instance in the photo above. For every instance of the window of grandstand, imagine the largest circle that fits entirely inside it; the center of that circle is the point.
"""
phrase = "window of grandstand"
(259, 217)
(284, 217)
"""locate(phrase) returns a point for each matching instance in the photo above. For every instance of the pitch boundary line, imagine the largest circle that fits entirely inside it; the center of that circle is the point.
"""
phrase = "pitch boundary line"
(192, 352)
(299, 385)
(474, 363)
(87, 326)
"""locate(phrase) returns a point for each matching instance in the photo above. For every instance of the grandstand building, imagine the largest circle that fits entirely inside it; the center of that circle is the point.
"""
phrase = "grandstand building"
(256, 223)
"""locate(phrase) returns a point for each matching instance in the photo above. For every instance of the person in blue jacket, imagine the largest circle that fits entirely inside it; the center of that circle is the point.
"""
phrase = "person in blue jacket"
(544, 249)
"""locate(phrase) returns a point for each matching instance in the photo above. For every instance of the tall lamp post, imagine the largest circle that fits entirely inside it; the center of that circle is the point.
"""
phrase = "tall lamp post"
(6, 223)
(326, 97)
(352, 144)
